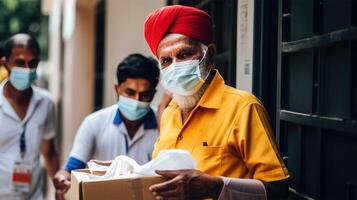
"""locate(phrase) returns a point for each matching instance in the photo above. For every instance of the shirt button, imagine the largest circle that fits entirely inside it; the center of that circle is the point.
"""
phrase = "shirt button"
(180, 137)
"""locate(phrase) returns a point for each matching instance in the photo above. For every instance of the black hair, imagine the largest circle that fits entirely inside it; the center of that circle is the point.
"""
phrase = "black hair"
(138, 66)
(12, 42)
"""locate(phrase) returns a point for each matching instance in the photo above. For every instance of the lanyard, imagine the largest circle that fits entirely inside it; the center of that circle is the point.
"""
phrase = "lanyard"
(126, 145)
(23, 142)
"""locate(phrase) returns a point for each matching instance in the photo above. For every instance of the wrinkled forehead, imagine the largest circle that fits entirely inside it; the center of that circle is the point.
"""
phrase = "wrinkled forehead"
(174, 41)
(138, 84)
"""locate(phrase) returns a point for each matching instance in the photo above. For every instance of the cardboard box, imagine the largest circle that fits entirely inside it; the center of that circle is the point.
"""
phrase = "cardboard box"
(134, 188)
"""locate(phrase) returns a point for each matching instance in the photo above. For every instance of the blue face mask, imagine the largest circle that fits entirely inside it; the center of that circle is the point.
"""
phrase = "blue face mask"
(22, 78)
(133, 109)
(183, 78)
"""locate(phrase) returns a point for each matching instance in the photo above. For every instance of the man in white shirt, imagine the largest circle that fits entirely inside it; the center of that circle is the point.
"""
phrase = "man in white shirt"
(27, 123)
(127, 128)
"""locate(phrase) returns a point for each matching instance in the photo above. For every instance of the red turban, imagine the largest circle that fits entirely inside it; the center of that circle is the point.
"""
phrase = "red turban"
(184, 20)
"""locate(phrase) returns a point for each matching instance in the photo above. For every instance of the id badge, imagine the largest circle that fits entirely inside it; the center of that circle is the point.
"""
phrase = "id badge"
(21, 177)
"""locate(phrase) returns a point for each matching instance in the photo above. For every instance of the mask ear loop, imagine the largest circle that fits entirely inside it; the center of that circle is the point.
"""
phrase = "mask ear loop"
(205, 50)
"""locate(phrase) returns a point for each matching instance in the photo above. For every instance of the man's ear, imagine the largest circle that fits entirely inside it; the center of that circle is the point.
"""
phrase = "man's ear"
(116, 89)
(212, 53)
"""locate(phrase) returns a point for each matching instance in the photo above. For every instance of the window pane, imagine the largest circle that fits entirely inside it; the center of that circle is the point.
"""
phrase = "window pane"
(336, 83)
(301, 24)
(337, 14)
(298, 82)
(339, 165)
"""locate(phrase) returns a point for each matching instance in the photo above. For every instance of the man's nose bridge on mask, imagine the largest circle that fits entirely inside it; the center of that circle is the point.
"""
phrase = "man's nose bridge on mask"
(175, 60)
(139, 96)
(136, 96)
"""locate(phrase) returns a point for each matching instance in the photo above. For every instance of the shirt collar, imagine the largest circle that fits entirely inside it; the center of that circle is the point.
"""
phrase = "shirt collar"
(212, 97)
(149, 121)
(35, 95)
(35, 99)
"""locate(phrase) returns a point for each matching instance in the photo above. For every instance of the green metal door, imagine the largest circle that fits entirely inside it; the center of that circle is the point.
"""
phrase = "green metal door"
(317, 97)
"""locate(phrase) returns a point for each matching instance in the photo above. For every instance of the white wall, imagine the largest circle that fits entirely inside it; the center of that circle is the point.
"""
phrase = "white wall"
(55, 47)
(245, 44)
(75, 51)
(78, 77)
(125, 35)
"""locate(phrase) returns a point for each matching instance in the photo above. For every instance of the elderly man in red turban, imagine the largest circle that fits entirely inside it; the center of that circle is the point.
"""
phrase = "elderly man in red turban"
(226, 130)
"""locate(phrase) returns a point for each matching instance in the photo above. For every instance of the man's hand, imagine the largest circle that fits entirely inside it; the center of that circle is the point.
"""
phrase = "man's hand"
(50, 155)
(62, 183)
(187, 184)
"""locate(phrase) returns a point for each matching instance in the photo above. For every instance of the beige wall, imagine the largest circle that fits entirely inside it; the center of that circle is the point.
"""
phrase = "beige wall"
(245, 26)
(78, 77)
(54, 61)
(71, 62)
(124, 35)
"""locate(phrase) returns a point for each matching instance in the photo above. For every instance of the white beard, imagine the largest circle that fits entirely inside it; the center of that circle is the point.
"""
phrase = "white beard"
(188, 102)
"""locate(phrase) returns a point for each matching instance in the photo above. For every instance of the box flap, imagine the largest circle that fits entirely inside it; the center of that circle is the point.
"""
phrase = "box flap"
(76, 180)
(128, 188)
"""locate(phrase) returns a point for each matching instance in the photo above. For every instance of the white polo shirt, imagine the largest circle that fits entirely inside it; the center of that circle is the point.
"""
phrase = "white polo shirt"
(40, 125)
(103, 136)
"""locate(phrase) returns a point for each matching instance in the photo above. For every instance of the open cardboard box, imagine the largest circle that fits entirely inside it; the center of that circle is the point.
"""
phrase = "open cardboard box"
(132, 188)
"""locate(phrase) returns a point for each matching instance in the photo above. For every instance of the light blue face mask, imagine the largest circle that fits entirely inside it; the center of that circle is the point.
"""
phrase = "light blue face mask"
(133, 109)
(183, 78)
(22, 78)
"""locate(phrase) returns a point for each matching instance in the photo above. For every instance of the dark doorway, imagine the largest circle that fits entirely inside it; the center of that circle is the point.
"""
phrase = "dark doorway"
(100, 52)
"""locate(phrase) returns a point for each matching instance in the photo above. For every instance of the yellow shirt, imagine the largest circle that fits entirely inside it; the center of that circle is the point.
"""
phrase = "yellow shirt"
(228, 134)
(3, 73)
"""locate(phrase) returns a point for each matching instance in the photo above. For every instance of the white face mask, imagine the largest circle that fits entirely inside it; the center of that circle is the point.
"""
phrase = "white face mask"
(133, 109)
(22, 78)
(184, 78)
